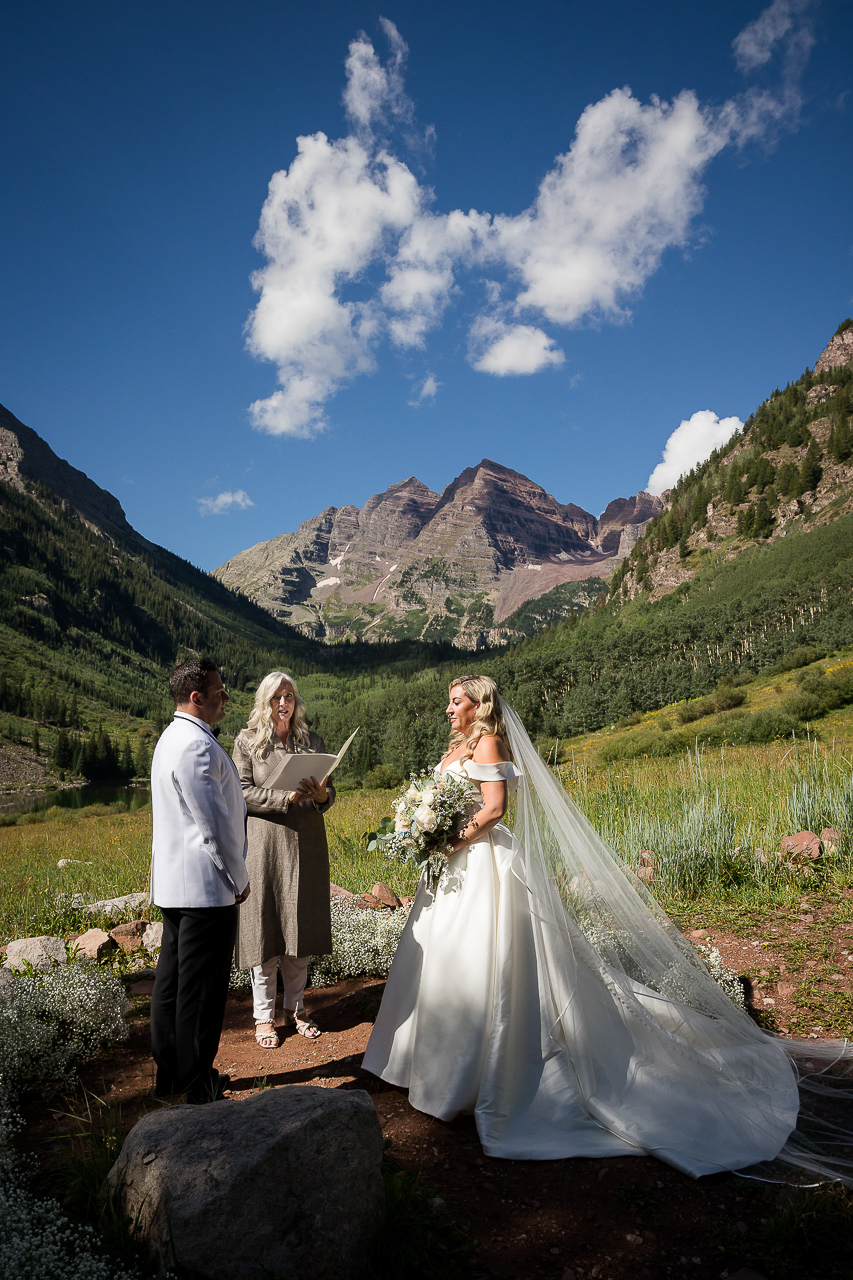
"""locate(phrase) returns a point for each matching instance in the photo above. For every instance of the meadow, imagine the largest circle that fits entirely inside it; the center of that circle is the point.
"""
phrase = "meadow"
(710, 820)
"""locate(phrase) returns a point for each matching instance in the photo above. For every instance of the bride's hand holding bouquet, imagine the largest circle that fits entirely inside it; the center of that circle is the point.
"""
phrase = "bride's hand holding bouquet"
(429, 813)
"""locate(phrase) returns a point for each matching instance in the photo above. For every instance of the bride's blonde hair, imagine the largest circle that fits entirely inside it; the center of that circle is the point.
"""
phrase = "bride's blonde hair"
(489, 718)
(261, 730)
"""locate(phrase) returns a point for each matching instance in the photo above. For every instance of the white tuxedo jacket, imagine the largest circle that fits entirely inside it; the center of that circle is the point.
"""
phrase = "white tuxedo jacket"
(198, 854)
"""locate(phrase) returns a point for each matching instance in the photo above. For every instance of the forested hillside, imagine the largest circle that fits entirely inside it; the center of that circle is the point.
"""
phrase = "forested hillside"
(749, 566)
(91, 624)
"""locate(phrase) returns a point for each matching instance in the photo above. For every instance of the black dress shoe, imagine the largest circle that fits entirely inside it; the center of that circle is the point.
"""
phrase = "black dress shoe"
(212, 1090)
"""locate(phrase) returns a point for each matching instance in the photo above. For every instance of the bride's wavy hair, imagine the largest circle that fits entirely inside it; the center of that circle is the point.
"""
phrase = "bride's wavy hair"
(261, 730)
(489, 718)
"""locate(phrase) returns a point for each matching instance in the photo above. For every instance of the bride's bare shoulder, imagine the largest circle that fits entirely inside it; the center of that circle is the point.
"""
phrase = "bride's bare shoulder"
(490, 750)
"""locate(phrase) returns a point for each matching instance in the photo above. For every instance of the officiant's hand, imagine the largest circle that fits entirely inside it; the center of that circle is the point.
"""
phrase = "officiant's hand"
(312, 790)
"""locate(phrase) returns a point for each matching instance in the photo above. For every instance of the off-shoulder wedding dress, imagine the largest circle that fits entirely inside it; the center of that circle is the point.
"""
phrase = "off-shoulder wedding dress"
(542, 989)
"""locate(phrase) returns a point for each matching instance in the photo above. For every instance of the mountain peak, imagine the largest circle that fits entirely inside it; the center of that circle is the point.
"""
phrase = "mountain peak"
(25, 456)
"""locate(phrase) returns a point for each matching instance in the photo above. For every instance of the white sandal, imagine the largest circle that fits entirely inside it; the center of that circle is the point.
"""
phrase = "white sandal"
(266, 1039)
(303, 1022)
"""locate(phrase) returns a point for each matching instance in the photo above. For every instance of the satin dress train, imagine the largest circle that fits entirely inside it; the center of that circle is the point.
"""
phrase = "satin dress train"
(490, 1011)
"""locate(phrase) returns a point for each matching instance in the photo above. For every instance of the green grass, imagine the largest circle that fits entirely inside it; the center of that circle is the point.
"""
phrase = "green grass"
(713, 819)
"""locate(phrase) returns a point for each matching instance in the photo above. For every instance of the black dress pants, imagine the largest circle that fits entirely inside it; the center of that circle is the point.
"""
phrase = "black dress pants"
(188, 1002)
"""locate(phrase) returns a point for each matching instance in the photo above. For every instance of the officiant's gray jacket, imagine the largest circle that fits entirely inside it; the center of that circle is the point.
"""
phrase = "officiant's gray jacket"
(198, 853)
(287, 912)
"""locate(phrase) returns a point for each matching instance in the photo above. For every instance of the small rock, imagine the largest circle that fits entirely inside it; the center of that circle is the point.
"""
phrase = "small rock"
(386, 896)
(698, 933)
(368, 900)
(143, 987)
(41, 952)
(110, 906)
(406, 901)
(830, 838)
(632, 1239)
(71, 862)
(152, 938)
(335, 891)
(94, 944)
(130, 934)
(804, 844)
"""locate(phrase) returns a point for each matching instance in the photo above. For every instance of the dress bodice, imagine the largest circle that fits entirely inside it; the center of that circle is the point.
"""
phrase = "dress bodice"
(471, 771)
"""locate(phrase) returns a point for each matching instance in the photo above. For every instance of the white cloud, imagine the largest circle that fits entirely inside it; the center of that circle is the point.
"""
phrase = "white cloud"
(755, 45)
(692, 441)
(503, 349)
(426, 392)
(225, 502)
(356, 256)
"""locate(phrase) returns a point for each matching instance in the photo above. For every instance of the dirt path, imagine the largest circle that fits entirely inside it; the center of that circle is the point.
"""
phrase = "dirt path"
(615, 1219)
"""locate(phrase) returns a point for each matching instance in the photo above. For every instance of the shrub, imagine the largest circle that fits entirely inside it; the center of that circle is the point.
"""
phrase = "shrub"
(51, 1022)
(645, 743)
(765, 726)
(363, 942)
(804, 706)
(382, 777)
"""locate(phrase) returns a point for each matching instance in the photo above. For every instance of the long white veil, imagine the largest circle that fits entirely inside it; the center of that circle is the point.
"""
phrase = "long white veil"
(669, 1042)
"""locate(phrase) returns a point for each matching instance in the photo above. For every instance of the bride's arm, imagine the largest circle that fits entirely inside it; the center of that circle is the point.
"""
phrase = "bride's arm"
(489, 750)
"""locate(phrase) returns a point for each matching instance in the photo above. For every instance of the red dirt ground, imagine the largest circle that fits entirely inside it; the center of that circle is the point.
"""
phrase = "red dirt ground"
(630, 1218)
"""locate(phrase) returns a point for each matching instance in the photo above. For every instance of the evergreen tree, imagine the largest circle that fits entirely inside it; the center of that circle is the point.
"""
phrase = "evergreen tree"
(810, 470)
(126, 764)
(35, 741)
(746, 521)
(143, 760)
(787, 479)
(735, 491)
(763, 524)
(63, 754)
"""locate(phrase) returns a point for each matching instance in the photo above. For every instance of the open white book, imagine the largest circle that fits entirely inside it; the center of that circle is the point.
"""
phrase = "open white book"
(288, 775)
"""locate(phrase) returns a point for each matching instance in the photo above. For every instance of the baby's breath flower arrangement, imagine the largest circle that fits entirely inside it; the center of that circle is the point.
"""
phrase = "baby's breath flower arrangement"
(428, 815)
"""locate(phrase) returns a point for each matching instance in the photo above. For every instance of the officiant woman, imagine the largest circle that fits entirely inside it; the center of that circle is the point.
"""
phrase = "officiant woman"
(287, 916)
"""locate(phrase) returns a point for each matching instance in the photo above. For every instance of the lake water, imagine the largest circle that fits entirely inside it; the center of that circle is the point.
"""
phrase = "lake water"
(76, 798)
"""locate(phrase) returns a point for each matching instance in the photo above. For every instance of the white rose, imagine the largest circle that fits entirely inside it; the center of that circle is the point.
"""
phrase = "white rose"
(413, 793)
(400, 823)
(425, 818)
(428, 795)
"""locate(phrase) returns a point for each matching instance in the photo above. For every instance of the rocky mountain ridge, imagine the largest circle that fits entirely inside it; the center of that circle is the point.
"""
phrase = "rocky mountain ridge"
(451, 566)
(791, 468)
(27, 459)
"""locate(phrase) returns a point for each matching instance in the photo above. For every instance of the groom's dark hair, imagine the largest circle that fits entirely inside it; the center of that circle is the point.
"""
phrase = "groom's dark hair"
(189, 677)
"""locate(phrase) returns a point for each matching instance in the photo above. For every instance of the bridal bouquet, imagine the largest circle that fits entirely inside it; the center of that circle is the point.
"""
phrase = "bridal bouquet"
(428, 816)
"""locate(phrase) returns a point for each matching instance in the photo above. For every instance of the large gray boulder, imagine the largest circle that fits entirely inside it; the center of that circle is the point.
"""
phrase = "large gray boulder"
(41, 952)
(284, 1185)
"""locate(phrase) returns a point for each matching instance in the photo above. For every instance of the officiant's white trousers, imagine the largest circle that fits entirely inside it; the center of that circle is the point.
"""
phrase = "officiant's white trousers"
(294, 974)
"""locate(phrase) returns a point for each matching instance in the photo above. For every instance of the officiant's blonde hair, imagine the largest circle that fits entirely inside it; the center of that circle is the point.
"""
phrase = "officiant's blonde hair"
(489, 718)
(260, 733)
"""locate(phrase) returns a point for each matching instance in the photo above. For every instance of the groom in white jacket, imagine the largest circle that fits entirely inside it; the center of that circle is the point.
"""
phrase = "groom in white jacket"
(198, 876)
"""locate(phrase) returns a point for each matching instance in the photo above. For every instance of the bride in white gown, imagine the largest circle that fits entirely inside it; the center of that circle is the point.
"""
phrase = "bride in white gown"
(541, 988)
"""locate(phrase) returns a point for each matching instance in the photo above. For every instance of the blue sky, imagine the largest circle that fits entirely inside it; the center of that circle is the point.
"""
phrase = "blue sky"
(532, 232)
